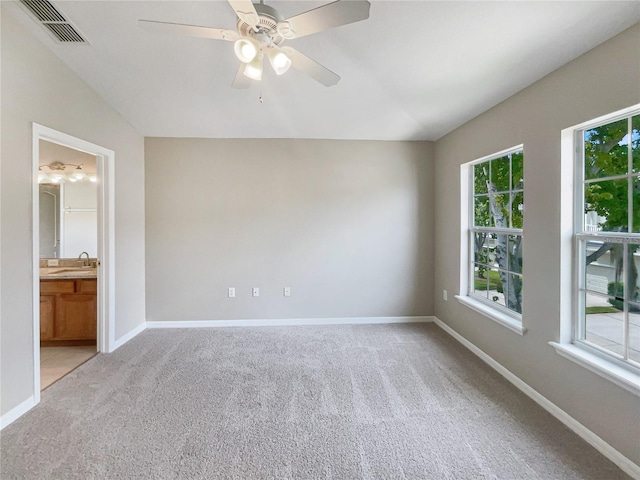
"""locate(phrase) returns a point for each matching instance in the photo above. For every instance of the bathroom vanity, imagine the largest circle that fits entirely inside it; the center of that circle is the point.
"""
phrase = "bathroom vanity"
(68, 309)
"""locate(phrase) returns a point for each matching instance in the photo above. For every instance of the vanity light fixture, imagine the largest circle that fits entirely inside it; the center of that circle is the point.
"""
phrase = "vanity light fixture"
(57, 173)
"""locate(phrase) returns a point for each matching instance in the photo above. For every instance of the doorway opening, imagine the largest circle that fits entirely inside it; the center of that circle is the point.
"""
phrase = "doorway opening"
(73, 257)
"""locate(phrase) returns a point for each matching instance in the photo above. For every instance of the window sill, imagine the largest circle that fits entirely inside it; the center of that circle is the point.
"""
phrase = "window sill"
(503, 319)
(600, 366)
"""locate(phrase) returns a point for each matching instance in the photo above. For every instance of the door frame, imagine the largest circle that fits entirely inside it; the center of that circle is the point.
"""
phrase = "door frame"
(105, 164)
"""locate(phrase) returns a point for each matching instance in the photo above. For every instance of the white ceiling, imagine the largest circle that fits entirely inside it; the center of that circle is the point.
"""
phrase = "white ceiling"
(414, 70)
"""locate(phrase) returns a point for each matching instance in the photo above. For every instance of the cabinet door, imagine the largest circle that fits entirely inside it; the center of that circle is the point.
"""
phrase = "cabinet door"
(47, 311)
(76, 317)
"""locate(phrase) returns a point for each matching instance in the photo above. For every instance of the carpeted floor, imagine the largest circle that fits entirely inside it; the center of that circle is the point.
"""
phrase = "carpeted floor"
(326, 402)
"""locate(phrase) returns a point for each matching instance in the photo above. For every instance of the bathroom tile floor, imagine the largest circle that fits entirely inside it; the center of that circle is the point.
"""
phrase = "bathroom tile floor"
(56, 362)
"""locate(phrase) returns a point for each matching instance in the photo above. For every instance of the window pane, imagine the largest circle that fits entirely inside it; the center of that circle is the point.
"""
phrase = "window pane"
(480, 248)
(604, 325)
(500, 174)
(515, 253)
(608, 199)
(499, 207)
(634, 332)
(634, 272)
(481, 217)
(502, 251)
(514, 293)
(517, 209)
(605, 150)
(600, 270)
(517, 171)
(496, 290)
(635, 143)
(481, 281)
(480, 177)
(636, 204)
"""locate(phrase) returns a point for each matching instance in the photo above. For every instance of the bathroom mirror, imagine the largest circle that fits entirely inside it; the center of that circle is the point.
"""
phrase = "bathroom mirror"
(68, 202)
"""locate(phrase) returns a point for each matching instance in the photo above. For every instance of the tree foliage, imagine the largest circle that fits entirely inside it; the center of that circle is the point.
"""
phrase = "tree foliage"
(498, 202)
(606, 156)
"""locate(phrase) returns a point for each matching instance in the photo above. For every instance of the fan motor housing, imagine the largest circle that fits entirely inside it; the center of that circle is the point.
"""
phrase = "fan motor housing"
(268, 24)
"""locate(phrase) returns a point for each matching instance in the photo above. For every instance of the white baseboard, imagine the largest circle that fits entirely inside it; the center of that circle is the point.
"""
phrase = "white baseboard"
(128, 336)
(587, 435)
(17, 411)
(273, 322)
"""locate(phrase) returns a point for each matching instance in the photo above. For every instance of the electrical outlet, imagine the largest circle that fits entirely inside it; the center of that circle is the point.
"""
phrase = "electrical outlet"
(287, 291)
(232, 292)
(444, 295)
(52, 263)
(255, 292)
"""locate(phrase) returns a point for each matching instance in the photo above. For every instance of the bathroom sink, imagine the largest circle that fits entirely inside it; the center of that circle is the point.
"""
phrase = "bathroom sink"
(73, 272)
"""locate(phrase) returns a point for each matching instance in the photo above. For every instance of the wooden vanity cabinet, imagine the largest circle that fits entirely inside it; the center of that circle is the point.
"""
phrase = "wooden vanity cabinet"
(68, 311)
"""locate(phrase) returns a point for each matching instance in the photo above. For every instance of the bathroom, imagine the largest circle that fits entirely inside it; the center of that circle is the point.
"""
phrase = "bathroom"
(68, 232)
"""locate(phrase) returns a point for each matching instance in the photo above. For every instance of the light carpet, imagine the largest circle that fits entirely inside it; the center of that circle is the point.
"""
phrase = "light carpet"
(312, 402)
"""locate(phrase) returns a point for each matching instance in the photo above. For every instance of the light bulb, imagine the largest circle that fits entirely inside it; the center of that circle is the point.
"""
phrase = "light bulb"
(253, 69)
(279, 60)
(78, 174)
(93, 178)
(246, 49)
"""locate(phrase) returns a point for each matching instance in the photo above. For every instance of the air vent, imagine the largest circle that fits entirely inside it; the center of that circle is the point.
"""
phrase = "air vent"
(64, 32)
(51, 18)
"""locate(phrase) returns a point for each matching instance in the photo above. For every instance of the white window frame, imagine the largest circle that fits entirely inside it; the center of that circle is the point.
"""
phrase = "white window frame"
(498, 313)
(569, 344)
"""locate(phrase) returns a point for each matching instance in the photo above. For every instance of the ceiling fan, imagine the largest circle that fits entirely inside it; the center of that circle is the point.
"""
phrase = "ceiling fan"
(261, 31)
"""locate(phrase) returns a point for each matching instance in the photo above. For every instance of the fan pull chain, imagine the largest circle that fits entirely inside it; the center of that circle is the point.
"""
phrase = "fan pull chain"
(260, 97)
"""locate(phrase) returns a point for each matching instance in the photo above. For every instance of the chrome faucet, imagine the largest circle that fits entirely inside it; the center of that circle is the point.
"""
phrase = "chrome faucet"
(87, 262)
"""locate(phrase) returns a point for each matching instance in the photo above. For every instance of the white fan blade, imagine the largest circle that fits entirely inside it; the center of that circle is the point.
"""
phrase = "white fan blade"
(245, 11)
(241, 81)
(188, 30)
(329, 16)
(321, 74)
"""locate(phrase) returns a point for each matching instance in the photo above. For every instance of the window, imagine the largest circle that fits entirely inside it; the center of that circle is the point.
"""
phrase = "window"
(607, 239)
(600, 225)
(494, 264)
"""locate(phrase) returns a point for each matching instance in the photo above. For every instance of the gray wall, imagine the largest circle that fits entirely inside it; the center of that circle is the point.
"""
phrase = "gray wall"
(602, 81)
(348, 225)
(37, 87)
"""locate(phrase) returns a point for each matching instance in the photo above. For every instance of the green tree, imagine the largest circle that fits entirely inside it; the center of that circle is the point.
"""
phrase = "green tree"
(501, 180)
(606, 154)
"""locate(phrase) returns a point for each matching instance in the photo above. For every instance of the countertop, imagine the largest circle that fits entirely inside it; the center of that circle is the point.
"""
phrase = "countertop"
(53, 273)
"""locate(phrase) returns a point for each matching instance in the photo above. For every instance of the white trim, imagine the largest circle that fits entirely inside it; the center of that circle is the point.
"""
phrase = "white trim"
(502, 318)
(598, 365)
(583, 432)
(105, 163)
(17, 411)
(128, 336)
(608, 118)
(277, 322)
(499, 154)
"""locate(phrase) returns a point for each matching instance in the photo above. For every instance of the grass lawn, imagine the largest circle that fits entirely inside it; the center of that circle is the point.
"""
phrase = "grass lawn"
(601, 309)
(494, 281)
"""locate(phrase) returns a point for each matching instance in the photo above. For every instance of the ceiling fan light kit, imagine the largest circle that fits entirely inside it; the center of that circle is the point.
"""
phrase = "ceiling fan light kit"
(261, 29)
(279, 60)
(246, 49)
(253, 69)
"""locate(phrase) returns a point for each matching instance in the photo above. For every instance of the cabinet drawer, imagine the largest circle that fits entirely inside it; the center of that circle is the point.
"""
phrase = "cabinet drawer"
(89, 285)
(57, 286)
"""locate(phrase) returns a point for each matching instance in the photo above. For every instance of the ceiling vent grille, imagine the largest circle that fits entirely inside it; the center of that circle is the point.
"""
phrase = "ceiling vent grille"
(51, 18)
